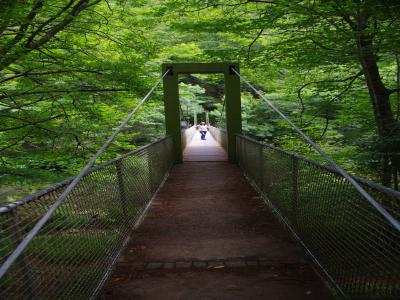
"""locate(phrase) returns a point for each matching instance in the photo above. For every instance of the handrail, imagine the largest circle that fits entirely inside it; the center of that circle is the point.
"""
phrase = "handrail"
(32, 233)
(363, 192)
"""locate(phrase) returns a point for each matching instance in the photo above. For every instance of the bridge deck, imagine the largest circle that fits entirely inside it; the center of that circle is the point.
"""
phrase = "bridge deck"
(207, 235)
(204, 150)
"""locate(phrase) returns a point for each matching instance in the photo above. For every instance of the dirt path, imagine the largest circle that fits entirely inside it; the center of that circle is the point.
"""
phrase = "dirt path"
(208, 235)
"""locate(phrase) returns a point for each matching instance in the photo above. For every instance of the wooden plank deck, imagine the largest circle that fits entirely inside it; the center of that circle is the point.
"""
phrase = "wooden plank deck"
(208, 235)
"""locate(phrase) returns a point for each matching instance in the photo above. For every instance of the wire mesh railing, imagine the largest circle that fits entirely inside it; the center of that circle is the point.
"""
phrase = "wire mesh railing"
(73, 253)
(220, 135)
(187, 136)
(331, 162)
(355, 246)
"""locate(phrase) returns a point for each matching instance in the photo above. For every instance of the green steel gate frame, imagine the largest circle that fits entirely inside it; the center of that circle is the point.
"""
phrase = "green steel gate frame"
(232, 96)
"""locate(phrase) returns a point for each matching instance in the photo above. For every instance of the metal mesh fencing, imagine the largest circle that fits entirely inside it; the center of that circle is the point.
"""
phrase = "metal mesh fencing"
(74, 252)
(220, 135)
(187, 136)
(355, 246)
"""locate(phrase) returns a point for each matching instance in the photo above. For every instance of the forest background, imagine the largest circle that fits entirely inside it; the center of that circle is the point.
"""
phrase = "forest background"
(71, 70)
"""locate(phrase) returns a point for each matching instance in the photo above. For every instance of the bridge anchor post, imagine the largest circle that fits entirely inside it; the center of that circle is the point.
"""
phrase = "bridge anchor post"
(232, 104)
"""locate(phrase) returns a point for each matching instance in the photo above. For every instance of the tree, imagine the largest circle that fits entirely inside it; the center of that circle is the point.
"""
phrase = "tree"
(29, 25)
(70, 71)
(353, 39)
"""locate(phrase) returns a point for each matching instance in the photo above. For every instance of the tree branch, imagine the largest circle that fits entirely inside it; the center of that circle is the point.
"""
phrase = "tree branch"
(76, 10)
(28, 123)
(48, 21)
(62, 91)
(396, 90)
(29, 73)
(19, 106)
(33, 44)
(351, 78)
(28, 21)
(253, 41)
(16, 142)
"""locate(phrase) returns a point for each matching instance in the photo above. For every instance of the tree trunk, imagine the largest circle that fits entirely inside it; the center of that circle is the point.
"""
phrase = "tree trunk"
(388, 130)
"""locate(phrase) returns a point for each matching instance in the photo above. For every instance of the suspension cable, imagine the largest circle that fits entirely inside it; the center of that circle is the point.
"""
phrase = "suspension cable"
(346, 175)
(28, 238)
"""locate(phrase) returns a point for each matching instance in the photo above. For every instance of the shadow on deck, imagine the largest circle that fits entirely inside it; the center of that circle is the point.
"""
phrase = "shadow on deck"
(208, 235)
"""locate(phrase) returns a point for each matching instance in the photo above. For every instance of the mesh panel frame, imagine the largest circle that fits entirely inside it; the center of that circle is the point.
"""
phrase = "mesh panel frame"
(73, 253)
(356, 247)
(220, 135)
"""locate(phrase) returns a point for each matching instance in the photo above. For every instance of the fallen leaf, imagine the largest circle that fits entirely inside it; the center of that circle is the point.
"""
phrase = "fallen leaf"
(216, 267)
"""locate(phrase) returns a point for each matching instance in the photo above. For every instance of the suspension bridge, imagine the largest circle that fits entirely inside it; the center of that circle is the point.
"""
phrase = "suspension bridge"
(224, 218)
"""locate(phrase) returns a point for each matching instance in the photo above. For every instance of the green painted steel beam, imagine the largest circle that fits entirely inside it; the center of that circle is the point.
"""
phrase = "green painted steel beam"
(233, 111)
(172, 112)
(232, 102)
(200, 68)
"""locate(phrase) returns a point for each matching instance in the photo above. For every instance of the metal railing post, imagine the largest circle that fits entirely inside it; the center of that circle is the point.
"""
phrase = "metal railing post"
(295, 190)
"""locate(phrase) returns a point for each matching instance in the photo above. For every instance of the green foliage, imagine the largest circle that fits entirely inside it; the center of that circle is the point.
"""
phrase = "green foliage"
(60, 101)
(68, 77)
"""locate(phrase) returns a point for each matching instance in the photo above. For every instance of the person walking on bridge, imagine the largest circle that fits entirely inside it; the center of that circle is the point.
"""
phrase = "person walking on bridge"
(203, 130)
